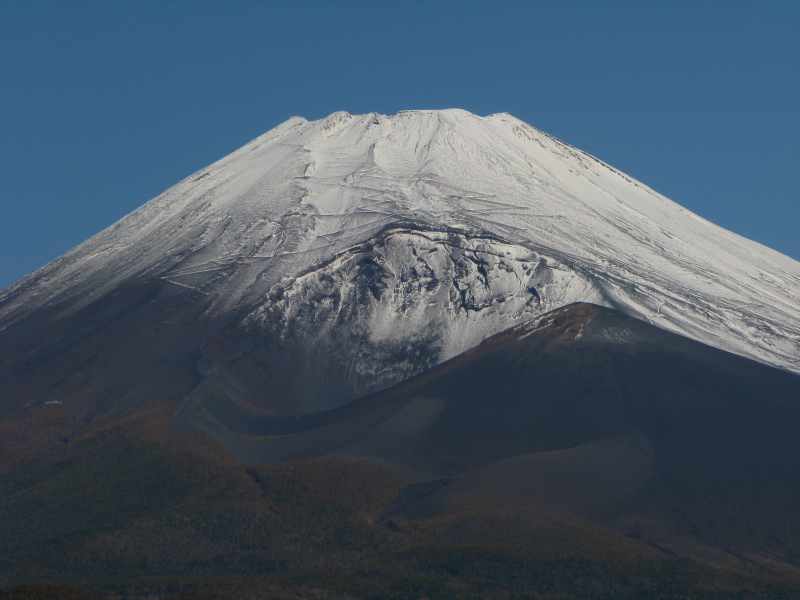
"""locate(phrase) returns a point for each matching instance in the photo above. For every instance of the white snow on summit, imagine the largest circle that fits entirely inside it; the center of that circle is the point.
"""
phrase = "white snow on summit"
(305, 192)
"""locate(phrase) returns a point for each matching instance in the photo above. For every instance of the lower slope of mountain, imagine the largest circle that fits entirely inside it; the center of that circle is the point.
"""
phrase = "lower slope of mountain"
(582, 454)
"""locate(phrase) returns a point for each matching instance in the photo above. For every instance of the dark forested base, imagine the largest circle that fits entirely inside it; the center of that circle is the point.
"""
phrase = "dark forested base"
(587, 456)
(129, 517)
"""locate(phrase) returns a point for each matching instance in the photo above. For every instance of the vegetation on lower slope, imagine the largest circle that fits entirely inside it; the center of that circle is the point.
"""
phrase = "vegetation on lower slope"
(49, 592)
(131, 516)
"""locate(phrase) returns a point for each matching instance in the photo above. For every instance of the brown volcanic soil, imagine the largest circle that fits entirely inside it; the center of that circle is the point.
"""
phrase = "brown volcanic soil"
(587, 412)
(572, 457)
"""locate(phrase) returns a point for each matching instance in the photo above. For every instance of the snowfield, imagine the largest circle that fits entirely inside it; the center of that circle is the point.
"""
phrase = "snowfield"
(434, 223)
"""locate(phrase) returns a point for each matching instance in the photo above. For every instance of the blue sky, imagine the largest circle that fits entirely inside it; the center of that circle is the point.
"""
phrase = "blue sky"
(103, 105)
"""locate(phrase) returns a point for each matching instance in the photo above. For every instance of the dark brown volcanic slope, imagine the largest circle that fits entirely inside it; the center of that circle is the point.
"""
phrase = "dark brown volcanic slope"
(582, 446)
(585, 411)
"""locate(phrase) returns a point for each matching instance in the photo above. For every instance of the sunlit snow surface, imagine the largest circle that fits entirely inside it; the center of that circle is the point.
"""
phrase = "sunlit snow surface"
(298, 198)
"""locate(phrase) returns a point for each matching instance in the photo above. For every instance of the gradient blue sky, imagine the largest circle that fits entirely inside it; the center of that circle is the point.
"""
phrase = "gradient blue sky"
(106, 104)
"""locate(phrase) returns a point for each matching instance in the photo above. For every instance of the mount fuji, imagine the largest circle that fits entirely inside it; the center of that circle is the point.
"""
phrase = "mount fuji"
(324, 292)
(398, 242)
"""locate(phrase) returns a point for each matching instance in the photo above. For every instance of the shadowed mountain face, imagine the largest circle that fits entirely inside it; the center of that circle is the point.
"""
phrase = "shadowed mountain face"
(582, 444)
(585, 411)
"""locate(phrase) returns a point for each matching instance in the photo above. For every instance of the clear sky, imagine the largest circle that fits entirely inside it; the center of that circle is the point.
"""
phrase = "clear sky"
(106, 104)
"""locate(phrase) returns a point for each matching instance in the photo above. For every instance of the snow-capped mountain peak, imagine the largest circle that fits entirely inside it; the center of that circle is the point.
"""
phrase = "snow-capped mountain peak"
(427, 229)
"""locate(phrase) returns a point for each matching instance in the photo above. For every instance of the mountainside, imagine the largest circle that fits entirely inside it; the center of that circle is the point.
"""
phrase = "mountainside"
(583, 410)
(583, 454)
(395, 243)
(422, 355)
